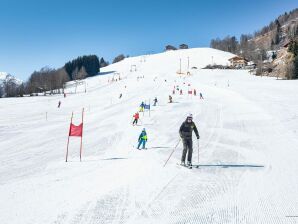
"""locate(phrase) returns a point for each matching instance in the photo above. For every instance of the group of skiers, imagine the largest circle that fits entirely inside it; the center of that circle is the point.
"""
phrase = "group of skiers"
(185, 131)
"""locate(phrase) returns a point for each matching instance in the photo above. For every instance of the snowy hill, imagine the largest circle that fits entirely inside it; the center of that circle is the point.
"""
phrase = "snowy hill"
(247, 147)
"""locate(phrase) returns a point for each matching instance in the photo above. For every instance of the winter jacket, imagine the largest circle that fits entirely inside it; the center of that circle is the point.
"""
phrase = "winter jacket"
(186, 129)
(136, 116)
(143, 136)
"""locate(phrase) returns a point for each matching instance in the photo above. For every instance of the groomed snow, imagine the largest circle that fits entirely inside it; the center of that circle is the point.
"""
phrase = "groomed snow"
(246, 122)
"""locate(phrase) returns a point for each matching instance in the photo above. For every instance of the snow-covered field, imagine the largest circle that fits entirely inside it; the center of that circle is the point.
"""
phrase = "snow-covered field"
(247, 123)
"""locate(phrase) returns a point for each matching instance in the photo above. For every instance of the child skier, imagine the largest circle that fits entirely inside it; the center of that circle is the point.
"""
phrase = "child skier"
(136, 118)
(142, 107)
(142, 139)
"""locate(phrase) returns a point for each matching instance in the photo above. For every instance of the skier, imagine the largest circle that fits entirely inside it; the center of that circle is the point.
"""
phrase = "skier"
(185, 132)
(170, 99)
(201, 96)
(181, 93)
(194, 92)
(142, 139)
(136, 118)
(142, 107)
(155, 101)
(120, 95)
(59, 104)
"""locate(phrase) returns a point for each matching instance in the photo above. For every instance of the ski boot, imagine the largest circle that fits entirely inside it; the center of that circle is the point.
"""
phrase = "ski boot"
(189, 165)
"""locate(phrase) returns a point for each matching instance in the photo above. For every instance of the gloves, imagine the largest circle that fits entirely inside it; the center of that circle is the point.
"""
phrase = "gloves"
(198, 137)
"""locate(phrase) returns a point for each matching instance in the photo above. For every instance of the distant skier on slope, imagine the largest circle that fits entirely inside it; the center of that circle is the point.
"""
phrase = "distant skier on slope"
(170, 99)
(136, 118)
(59, 104)
(185, 132)
(201, 96)
(142, 139)
(155, 101)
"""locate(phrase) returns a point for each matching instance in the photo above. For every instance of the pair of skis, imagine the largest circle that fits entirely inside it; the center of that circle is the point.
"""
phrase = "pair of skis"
(189, 166)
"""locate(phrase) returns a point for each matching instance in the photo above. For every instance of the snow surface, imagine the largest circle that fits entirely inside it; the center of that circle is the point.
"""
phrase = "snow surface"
(243, 120)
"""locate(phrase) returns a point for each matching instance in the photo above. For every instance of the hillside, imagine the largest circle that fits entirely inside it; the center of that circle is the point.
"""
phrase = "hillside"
(247, 147)
(260, 47)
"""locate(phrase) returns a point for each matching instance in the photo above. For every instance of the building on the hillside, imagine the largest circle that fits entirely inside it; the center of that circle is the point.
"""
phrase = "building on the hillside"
(238, 62)
(183, 46)
(170, 48)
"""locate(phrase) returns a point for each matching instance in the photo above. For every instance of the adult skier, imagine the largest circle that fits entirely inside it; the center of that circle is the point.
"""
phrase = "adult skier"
(136, 118)
(185, 132)
(142, 139)
(170, 99)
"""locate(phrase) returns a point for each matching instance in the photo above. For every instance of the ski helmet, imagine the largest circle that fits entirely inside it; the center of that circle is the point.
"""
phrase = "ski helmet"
(189, 115)
(144, 129)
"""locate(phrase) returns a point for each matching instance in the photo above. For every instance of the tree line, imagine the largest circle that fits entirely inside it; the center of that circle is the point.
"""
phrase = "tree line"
(254, 46)
(52, 80)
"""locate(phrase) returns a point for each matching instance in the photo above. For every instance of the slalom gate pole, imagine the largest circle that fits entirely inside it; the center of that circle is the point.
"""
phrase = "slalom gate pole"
(68, 137)
(82, 135)
(149, 107)
(172, 152)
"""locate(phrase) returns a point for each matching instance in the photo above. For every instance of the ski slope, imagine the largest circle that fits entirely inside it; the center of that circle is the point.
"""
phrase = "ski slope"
(248, 146)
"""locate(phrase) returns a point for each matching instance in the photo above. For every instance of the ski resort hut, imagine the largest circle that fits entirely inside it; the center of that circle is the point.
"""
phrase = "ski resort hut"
(238, 62)
(183, 46)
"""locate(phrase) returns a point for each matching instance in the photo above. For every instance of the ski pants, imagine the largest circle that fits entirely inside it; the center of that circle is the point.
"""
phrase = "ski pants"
(135, 121)
(142, 141)
(187, 148)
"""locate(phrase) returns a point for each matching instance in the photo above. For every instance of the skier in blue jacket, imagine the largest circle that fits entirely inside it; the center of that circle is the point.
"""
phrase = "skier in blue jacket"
(142, 139)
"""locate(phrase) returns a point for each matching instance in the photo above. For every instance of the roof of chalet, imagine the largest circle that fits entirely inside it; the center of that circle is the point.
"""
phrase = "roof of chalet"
(237, 58)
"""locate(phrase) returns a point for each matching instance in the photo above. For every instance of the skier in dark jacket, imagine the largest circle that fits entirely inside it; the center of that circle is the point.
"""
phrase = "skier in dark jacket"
(185, 132)
(155, 101)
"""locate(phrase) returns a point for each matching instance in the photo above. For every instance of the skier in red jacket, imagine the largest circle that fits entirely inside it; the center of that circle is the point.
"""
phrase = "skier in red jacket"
(136, 118)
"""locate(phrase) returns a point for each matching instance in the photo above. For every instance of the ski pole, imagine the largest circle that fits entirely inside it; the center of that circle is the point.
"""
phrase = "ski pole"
(172, 153)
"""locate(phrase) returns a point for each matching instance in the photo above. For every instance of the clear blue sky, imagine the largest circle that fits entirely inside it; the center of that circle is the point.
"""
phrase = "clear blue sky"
(38, 33)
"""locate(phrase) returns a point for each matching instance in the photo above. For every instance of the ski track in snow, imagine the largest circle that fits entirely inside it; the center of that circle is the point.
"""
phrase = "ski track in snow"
(239, 124)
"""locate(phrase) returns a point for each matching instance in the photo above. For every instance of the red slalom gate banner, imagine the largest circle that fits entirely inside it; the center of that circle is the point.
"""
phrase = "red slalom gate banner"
(75, 131)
